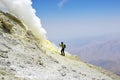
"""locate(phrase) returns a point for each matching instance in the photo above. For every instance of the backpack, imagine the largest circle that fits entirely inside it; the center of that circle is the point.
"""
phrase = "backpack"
(64, 46)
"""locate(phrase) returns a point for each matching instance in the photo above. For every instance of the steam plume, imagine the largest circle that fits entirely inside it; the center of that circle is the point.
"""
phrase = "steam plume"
(24, 11)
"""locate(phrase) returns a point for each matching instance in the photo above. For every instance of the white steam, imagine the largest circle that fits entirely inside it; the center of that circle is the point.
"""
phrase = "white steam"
(24, 11)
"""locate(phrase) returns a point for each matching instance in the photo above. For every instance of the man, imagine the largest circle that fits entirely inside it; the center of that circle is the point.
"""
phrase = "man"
(63, 48)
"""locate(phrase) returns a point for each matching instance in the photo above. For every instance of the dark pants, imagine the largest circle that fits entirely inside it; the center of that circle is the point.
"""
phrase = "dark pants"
(62, 52)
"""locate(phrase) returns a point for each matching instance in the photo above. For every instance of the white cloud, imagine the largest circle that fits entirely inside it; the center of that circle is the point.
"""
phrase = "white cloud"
(61, 3)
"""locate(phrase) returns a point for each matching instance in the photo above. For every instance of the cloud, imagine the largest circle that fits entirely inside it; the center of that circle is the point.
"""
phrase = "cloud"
(61, 3)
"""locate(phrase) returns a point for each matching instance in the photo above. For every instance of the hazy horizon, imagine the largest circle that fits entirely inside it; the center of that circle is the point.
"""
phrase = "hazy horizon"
(68, 20)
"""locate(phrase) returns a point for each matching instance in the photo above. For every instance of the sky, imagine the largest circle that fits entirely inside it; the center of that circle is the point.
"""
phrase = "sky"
(72, 21)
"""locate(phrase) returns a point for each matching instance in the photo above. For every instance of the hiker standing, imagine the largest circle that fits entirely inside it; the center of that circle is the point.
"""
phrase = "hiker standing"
(63, 46)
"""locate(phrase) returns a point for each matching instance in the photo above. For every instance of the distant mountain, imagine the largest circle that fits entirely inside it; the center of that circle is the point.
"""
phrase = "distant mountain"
(108, 65)
(103, 53)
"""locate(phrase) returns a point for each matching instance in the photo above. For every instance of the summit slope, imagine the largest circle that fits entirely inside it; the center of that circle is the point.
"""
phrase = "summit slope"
(22, 57)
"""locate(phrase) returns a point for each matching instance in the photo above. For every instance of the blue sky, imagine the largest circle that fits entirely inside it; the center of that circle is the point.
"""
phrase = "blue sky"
(76, 20)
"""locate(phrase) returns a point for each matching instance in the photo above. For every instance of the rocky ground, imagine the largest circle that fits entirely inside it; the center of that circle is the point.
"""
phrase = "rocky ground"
(23, 58)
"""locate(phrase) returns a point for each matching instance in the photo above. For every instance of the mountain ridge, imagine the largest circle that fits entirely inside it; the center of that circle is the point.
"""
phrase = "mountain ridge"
(104, 53)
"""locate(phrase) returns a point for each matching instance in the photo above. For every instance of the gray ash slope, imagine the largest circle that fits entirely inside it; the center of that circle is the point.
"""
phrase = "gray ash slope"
(23, 58)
